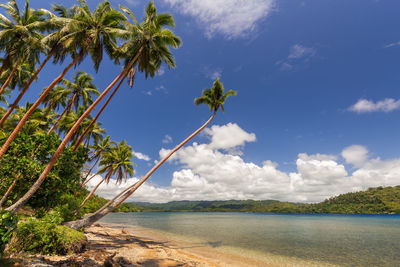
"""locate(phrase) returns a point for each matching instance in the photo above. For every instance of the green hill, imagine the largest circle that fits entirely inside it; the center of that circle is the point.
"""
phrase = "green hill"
(380, 200)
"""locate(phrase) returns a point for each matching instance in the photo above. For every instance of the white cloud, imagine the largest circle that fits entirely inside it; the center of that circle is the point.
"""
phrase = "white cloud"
(212, 73)
(366, 106)
(212, 172)
(141, 156)
(228, 136)
(167, 139)
(231, 18)
(160, 71)
(297, 53)
(356, 155)
(392, 44)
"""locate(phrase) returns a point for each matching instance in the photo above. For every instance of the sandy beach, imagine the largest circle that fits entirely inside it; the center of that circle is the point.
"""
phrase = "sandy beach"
(119, 245)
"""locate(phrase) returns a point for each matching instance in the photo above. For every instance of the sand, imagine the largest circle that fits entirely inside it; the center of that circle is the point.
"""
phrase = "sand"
(118, 245)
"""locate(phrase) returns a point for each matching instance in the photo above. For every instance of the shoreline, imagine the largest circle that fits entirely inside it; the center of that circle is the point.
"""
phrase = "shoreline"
(124, 245)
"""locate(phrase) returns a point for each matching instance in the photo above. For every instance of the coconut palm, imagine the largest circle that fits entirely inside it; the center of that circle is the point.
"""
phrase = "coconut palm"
(99, 148)
(148, 48)
(39, 122)
(80, 91)
(86, 33)
(20, 36)
(151, 49)
(22, 75)
(54, 48)
(68, 121)
(215, 98)
(116, 161)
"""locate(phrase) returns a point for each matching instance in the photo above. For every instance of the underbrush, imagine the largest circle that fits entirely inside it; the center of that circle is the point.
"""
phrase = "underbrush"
(47, 236)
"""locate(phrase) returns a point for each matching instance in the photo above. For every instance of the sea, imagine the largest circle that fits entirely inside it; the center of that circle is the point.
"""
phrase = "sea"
(342, 240)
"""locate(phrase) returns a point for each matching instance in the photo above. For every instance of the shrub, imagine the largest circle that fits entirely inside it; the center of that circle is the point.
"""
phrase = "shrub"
(47, 236)
(8, 223)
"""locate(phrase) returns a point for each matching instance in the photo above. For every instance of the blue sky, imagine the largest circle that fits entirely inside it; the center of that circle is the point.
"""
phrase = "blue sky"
(310, 117)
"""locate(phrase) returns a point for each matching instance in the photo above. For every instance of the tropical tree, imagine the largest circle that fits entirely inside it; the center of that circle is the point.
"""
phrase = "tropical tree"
(23, 73)
(96, 134)
(85, 33)
(147, 47)
(80, 92)
(99, 148)
(116, 161)
(20, 36)
(152, 48)
(215, 98)
(55, 48)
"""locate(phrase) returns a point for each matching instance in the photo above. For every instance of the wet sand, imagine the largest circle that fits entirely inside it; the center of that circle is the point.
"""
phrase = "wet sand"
(119, 245)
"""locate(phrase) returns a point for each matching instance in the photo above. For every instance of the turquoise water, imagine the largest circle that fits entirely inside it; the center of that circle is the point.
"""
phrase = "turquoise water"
(347, 240)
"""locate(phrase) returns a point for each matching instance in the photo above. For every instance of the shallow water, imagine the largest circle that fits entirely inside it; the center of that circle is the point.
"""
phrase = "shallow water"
(347, 240)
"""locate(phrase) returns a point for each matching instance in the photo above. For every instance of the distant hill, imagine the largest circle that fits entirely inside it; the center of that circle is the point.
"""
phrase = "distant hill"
(379, 200)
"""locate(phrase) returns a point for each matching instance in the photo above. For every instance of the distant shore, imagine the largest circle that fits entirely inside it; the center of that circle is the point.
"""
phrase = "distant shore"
(120, 245)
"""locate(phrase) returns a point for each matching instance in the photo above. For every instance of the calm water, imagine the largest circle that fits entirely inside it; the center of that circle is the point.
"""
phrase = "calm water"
(348, 240)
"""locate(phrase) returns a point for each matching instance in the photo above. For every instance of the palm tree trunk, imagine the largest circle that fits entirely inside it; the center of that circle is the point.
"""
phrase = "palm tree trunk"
(6, 62)
(121, 197)
(53, 161)
(91, 193)
(66, 110)
(23, 91)
(98, 114)
(10, 76)
(3, 199)
(35, 105)
(86, 180)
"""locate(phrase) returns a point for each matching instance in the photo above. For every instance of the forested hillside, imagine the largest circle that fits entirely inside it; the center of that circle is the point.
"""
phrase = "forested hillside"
(380, 200)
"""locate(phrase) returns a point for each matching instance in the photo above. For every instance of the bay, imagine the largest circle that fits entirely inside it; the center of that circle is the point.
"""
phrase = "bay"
(344, 240)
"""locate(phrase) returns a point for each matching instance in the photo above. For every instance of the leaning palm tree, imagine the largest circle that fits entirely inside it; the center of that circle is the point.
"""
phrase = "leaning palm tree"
(54, 48)
(215, 98)
(80, 92)
(21, 36)
(68, 121)
(86, 33)
(22, 75)
(117, 161)
(152, 47)
(147, 47)
(99, 148)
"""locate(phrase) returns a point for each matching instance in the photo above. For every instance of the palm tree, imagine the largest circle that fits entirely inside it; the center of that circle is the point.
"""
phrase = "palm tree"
(99, 148)
(68, 121)
(117, 162)
(81, 89)
(87, 33)
(151, 49)
(215, 98)
(39, 122)
(147, 46)
(23, 73)
(54, 48)
(20, 36)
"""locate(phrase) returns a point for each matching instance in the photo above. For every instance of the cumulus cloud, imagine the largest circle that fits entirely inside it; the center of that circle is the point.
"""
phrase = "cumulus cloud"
(141, 156)
(356, 155)
(297, 53)
(367, 106)
(210, 171)
(231, 18)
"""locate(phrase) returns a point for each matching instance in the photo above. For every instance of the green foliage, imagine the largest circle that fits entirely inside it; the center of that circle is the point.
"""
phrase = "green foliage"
(25, 160)
(47, 236)
(8, 223)
(380, 200)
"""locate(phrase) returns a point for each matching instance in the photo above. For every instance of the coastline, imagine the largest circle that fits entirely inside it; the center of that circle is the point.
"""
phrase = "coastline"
(122, 245)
